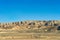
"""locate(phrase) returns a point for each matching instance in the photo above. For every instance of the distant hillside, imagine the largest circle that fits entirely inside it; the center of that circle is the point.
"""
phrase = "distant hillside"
(53, 25)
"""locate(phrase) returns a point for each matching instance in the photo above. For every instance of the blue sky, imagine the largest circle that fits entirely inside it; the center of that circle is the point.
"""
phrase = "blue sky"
(17, 10)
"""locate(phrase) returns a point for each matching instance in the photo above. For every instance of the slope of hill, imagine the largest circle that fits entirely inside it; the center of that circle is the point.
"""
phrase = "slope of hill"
(38, 30)
(31, 25)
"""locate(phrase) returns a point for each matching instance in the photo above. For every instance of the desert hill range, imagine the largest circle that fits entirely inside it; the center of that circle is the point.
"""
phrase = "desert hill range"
(30, 30)
(52, 25)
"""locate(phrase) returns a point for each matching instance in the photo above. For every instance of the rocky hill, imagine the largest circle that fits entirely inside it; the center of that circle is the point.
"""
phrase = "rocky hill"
(39, 30)
(52, 25)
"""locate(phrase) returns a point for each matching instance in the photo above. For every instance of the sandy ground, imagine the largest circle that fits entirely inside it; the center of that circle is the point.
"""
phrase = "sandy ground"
(29, 36)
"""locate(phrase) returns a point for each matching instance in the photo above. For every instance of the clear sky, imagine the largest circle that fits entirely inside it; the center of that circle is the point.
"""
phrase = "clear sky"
(17, 10)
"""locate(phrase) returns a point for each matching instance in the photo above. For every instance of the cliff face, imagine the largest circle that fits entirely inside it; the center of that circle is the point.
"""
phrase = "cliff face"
(26, 25)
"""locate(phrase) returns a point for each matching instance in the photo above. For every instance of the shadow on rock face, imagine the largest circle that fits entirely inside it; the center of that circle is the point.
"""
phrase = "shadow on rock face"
(58, 28)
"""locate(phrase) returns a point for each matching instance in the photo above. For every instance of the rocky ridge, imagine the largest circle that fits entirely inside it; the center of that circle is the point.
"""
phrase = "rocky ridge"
(52, 25)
